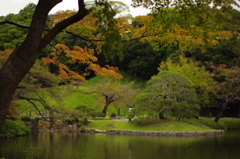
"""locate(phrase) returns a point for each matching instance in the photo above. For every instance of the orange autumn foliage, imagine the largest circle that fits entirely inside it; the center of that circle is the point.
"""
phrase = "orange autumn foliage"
(81, 56)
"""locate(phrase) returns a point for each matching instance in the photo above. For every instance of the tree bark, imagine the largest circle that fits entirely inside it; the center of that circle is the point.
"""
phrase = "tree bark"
(24, 56)
(161, 114)
(108, 100)
(104, 111)
(224, 107)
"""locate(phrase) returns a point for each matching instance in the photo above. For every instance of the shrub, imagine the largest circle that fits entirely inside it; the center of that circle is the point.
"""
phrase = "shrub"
(14, 128)
(231, 124)
(96, 114)
(26, 118)
(83, 121)
(212, 124)
(113, 115)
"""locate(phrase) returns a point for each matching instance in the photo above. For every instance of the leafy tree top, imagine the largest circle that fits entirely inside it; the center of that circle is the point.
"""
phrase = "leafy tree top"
(170, 91)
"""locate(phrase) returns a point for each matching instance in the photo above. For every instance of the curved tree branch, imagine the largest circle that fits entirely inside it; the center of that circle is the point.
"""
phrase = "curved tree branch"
(82, 12)
(75, 35)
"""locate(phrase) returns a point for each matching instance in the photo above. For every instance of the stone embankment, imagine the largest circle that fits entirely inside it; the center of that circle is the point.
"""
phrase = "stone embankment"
(159, 133)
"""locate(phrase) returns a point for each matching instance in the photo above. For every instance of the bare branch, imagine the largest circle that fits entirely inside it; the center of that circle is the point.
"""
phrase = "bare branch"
(30, 101)
(13, 23)
(59, 27)
(75, 35)
(35, 99)
(36, 108)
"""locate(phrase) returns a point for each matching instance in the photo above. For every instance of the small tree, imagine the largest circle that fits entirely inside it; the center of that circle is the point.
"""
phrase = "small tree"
(115, 92)
(168, 92)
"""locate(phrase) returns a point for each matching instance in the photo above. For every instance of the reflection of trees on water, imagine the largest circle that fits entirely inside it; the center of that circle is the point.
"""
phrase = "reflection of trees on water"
(101, 146)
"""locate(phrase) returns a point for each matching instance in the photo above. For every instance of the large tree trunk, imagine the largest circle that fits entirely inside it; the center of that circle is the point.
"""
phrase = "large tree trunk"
(23, 57)
(224, 107)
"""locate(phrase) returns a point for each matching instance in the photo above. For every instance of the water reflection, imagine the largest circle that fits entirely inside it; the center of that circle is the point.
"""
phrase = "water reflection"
(102, 146)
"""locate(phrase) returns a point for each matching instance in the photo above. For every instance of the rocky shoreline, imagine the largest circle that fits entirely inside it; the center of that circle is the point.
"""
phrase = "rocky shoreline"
(159, 133)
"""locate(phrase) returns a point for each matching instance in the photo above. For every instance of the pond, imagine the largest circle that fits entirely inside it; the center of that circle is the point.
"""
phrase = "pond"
(102, 146)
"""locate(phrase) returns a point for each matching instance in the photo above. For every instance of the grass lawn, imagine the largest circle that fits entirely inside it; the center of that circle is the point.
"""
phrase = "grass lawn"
(159, 125)
(69, 97)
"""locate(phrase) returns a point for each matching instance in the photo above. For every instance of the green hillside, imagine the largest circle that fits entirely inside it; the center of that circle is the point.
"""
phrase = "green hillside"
(69, 97)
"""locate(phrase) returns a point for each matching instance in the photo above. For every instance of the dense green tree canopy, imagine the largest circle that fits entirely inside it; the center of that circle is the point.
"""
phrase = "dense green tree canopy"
(201, 79)
(168, 92)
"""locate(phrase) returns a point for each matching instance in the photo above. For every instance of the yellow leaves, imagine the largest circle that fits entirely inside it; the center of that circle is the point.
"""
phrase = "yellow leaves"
(85, 27)
(192, 36)
(144, 19)
(142, 27)
(80, 55)
(60, 48)
(139, 32)
(197, 75)
(173, 28)
(124, 27)
(60, 16)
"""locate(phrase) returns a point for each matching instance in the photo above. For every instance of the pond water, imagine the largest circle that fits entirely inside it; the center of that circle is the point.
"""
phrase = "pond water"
(102, 146)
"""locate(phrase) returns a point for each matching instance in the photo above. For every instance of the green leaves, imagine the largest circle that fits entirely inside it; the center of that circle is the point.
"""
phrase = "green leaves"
(12, 36)
(105, 14)
(200, 79)
(170, 91)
